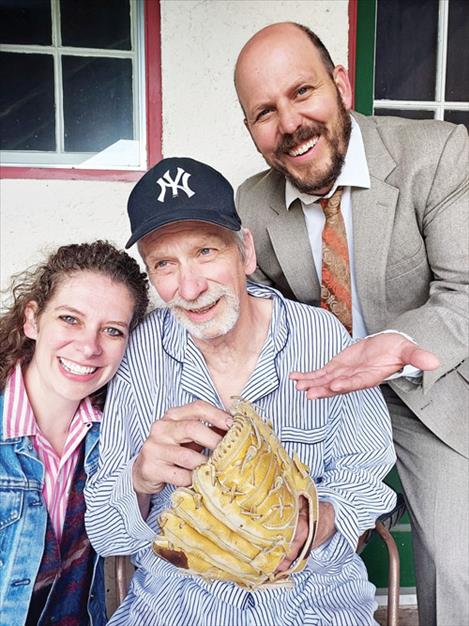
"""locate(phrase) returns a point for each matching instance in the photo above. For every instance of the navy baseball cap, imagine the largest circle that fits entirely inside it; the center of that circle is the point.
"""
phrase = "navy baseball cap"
(178, 189)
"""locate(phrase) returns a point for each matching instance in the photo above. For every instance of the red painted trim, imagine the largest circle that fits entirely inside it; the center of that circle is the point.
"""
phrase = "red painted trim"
(153, 84)
(62, 173)
(154, 118)
(352, 44)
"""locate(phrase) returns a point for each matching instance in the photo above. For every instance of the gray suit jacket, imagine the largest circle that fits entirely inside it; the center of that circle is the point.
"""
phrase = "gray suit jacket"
(411, 248)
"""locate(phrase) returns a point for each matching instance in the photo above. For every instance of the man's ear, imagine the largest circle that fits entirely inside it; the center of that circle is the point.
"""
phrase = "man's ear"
(250, 260)
(30, 320)
(341, 79)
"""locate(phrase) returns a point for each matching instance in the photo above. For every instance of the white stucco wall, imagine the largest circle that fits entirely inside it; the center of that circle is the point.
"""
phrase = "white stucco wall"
(201, 114)
(201, 118)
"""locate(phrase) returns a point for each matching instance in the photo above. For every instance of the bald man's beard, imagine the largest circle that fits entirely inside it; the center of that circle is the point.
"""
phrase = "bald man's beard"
(315, 180)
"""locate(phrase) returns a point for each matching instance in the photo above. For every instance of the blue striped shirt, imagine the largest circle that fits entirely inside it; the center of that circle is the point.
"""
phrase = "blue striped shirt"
(346, 442)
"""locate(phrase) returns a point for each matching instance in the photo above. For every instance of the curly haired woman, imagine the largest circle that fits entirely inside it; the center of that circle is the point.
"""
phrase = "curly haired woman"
(62, 338)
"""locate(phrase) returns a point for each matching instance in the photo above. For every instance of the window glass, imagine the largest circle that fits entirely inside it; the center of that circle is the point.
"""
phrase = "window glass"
(457, 72)
(96, 24)
(458, 117)
(406, 63)
(27, 102)
(103, 87)
(25, 22)
(80, 100)
(409, 113)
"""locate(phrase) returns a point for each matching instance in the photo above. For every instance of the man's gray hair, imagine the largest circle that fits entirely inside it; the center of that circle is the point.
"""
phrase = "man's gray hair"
(238, 236)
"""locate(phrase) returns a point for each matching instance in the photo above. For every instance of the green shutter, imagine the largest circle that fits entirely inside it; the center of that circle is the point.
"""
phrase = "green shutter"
(365, 58)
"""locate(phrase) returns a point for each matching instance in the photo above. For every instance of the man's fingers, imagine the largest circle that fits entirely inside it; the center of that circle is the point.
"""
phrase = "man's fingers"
(202, 412)
(301, 534)
(198, 433)
(150, 480)
(319, 392)
(180, 456)
(314, 375)
(307, 383)
(343, 384)
(319, 377)
(158, 464)
(365, 364)
(170, 432)
(421, 359)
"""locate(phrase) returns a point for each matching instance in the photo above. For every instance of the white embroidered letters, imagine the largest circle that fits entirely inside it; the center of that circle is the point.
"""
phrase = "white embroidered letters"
(166, 181)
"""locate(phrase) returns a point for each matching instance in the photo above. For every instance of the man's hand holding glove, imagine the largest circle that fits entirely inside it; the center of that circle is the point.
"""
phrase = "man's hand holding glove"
(247, 507)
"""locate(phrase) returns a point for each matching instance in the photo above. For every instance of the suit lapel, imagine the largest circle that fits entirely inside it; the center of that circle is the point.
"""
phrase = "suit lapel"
(289, 237)
(372, 217)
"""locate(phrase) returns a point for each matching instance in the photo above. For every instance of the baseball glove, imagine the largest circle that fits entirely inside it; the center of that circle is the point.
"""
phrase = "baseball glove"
(238, 519)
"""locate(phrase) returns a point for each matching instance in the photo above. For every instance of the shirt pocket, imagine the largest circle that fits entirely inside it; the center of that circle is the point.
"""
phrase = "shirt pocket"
(308, 444)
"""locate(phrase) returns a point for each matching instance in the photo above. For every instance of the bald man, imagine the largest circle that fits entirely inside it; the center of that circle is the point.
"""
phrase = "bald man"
(402, 189)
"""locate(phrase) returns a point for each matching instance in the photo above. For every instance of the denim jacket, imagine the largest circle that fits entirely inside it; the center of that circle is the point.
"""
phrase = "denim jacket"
(23, 521)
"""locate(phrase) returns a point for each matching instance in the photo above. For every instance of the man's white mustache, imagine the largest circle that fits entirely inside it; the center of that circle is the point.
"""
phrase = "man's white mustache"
(204, 300)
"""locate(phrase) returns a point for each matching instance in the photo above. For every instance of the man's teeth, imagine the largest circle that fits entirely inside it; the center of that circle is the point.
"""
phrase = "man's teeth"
(74, 368)
(203, 309)
(304, 147)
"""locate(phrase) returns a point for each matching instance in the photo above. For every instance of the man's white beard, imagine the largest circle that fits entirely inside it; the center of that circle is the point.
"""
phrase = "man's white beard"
(218, 326)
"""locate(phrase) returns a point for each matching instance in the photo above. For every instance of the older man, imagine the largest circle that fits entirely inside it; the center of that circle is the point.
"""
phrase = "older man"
(368, 217)
(220, 337)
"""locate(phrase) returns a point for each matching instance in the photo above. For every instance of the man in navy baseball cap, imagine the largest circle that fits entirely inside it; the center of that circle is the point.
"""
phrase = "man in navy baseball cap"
(216, 336)
(178, 189)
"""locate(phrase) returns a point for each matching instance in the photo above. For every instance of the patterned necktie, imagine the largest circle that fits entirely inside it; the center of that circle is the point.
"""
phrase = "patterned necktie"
(336, 294)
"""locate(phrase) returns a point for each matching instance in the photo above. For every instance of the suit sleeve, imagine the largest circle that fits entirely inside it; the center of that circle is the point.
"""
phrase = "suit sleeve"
(440, 324)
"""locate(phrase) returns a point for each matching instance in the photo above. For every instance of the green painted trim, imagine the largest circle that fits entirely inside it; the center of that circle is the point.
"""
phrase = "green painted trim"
(365, 59)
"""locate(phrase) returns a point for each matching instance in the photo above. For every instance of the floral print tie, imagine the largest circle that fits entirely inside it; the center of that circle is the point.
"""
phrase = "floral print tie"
(336, 294)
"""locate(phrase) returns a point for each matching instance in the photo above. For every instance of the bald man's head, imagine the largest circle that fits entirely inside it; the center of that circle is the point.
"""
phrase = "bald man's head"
(296, 104)
(283, 29)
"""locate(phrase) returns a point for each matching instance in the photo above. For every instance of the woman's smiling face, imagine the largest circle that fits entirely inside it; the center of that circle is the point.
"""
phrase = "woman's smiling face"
(80, 336)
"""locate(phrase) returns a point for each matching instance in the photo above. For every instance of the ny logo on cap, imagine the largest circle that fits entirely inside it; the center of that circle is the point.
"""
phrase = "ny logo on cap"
(166, 181)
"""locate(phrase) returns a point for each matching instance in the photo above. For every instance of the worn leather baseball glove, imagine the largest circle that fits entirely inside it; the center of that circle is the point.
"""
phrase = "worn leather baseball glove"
(238, 519)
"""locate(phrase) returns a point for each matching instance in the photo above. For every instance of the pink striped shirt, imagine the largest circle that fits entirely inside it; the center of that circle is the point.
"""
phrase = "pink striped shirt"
(19, 421)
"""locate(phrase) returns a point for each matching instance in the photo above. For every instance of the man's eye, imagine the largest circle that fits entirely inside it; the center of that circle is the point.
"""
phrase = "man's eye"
(159, 265)
(262, 114)
(68, 319)
(113, 332)
(205, 251)
(301, 91)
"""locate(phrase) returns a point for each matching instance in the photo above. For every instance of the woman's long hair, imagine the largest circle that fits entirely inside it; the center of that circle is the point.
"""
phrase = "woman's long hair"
(40, 283)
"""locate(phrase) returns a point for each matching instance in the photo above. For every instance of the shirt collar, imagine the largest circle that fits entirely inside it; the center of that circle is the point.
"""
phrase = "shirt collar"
(354, 173)
(18, 415)
(195, 377)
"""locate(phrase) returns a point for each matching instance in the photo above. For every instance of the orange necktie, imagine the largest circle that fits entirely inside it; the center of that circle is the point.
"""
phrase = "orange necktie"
(336, 294)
